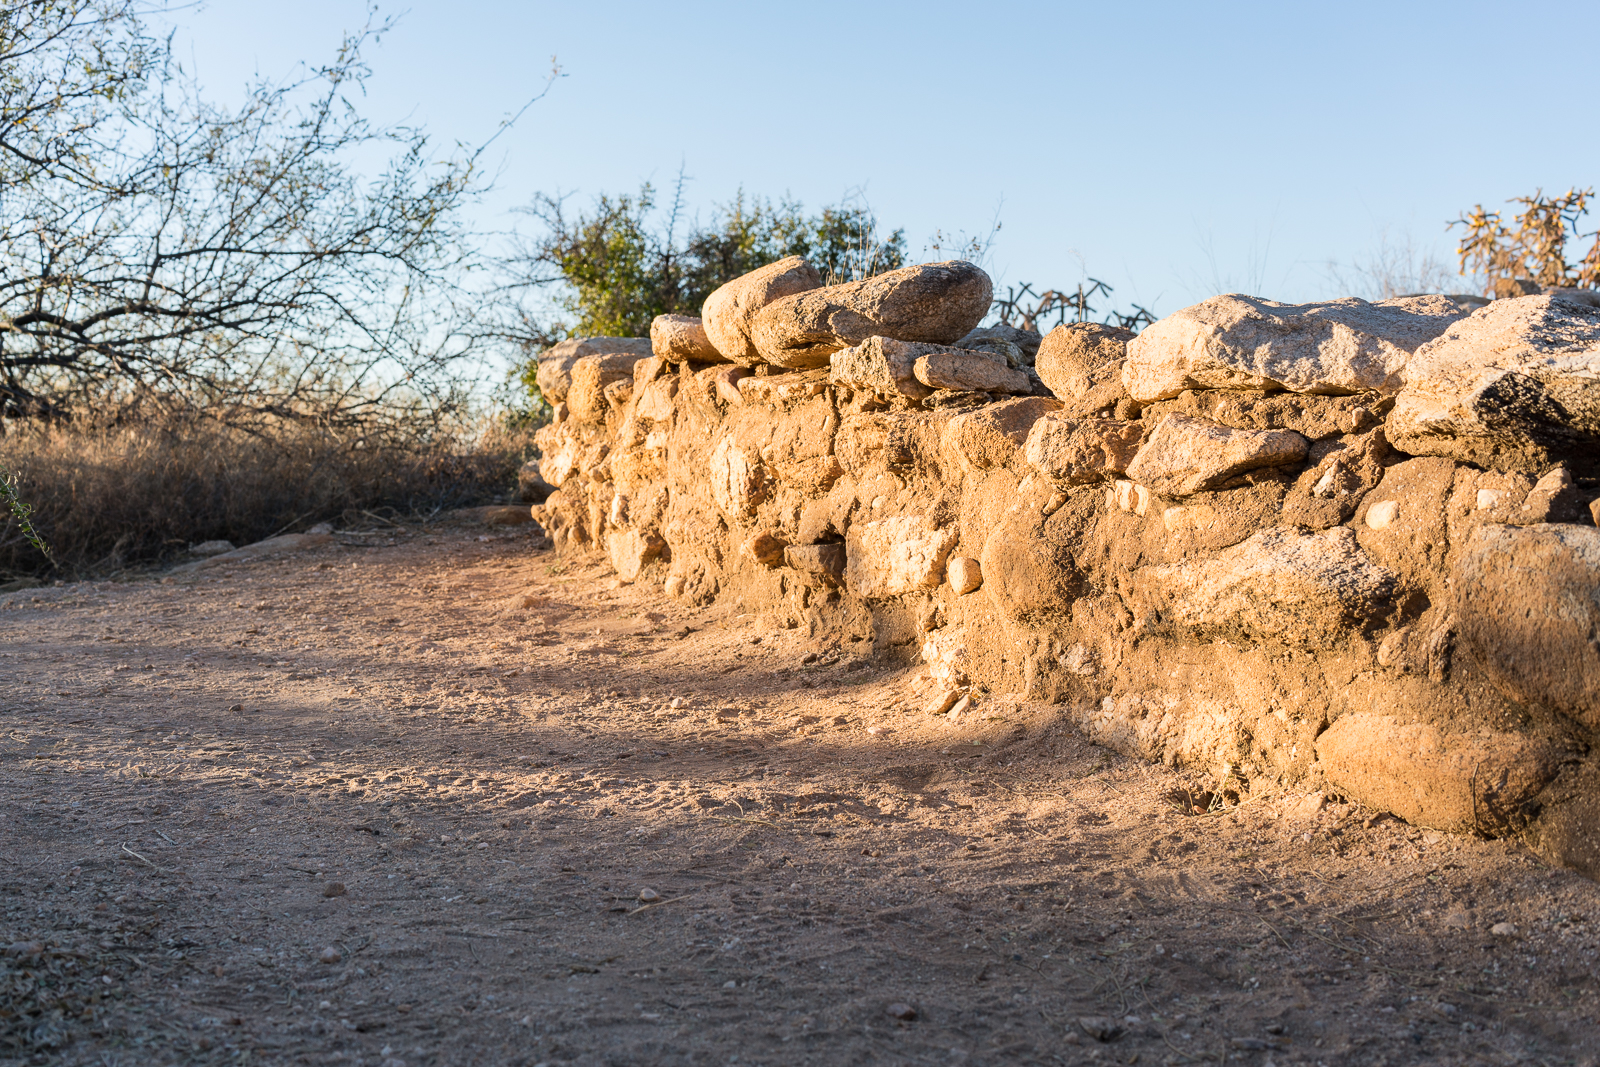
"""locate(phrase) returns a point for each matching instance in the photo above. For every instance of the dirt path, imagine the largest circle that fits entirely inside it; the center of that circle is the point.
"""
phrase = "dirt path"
(501, 760)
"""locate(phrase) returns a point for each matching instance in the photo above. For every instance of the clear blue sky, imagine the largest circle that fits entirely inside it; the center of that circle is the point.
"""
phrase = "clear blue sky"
(1173, 150)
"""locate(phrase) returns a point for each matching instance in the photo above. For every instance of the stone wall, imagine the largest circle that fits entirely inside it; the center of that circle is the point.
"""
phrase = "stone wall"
(1340, 544)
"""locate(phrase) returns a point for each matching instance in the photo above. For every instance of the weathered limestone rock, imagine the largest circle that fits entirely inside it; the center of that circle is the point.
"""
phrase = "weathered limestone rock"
(739, 481)
(1342, 472)
(591, 376)
(945, 652)
(1244, 342)
(1528, 605)
(1312, 417)
(891, 557)
(933, 302)
(966, 575)
(825, 561)
(727, 314)
(880, 365)
(979, 371)
(1025, 341)
(766, 548)
(1081, 363)
(1514, 387)
(654, 402)
(726, 382)
(1483, 781)
(989, 436)
(631, 550)
(556, 363)
(1080, 451)
(1279, 583)
(1128, 496)
(1184, 456)
(682, 339)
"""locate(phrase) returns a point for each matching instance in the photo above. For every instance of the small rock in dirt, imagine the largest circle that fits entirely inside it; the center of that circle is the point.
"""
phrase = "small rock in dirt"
(965, 574)
(1100, 1027)
(236, 707)
(1504, 929)
(943, 701)
(960, 706)
(333, 889)
(649, 896)
(903, 1012)
(730, 984)
(329, 955)
(25, 948)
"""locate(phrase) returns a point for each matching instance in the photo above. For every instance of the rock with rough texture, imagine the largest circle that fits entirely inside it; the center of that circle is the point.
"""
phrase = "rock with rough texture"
(966, 575)
(891, 557)
(1080, 451)
(1243, 342)
(1081, 363)
(728, 313)
(739, 480)
(726, 383)
(631, 550)
(880, 365)
(1183, 456)
(1483, 781)
(1023, 340)
(1514, 387)
(825, 561)
(964, 371)
(683, 339)
(766, 548)
(555, 363)
(591, 377)
(989, 436)
(1528, 607)
(932, 302)
(1279, 583)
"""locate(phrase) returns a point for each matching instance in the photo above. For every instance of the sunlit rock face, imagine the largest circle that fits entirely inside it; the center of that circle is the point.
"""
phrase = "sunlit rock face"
(1326, 545)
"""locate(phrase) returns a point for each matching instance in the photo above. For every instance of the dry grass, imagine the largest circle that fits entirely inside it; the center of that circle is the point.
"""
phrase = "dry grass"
(109, 499)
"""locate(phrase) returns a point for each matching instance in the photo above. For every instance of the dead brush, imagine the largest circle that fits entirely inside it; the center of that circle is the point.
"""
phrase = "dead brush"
(107, 499)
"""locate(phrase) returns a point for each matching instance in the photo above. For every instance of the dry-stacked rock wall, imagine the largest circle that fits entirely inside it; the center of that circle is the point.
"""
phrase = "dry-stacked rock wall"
(1340, 543)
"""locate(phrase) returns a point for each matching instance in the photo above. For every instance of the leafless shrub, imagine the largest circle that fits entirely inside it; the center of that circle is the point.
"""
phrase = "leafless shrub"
(107, 498)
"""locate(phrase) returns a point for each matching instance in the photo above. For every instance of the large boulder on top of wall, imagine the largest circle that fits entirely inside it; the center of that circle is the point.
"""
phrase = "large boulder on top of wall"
(1515, 387)
(728, 312)
(1528, 610)
(683, 339)
(1244, 342)
(1183, 456)
(556, 362)
(933, 302)
(1081, 363)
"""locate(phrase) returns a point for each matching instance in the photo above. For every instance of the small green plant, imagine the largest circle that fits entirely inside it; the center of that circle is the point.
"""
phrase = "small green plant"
(20, 512)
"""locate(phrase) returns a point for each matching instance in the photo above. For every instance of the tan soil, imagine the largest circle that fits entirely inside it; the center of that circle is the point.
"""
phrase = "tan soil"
(495, 785)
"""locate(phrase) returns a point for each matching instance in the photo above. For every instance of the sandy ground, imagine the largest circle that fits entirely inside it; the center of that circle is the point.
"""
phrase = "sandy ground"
(437, 797)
